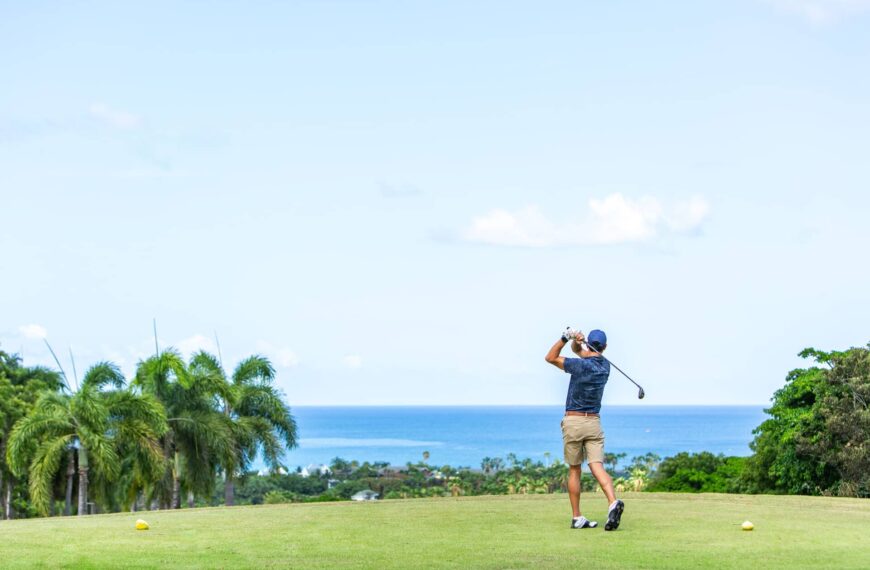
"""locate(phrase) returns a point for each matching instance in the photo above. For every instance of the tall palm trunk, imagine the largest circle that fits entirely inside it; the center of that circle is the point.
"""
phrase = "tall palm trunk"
(2, 458)
(70, 479)
(176, 493)
(176, 483)
(8, 507)
(229, 484)
(229, 491)
(168, 453)
(83, 481)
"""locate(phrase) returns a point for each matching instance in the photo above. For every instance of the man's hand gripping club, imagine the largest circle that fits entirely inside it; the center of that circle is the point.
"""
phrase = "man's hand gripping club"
(554, 355)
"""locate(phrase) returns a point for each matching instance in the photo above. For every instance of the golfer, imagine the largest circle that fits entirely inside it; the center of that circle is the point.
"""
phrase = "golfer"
(581, 427)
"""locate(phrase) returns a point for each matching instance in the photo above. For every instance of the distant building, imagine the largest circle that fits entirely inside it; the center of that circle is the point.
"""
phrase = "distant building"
(366, 495)
(392, 471)
(315, 469)
(266, 472)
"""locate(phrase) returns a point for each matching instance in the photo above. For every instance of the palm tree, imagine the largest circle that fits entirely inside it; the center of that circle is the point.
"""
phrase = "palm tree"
(20, 387)
(89, 424)
(261, 421)
(137, 421)
(340, 467)
(637, 478)
(611, 460)
(486, 465)
(198, 438)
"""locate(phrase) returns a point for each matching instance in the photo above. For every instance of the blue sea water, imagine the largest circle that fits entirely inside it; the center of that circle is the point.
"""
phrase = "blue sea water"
(463, 435)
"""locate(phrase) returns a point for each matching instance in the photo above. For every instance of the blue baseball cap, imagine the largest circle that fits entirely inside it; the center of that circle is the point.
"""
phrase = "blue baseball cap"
(597, 339)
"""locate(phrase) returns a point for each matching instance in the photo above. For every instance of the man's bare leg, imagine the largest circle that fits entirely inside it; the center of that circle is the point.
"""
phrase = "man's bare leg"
(574, 488)
(603, 478)
(614, 512)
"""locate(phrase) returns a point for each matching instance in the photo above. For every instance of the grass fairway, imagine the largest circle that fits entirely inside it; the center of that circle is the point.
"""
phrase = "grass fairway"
(658, 530)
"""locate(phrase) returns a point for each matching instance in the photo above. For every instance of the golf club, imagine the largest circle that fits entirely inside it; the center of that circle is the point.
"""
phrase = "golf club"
(640, 392)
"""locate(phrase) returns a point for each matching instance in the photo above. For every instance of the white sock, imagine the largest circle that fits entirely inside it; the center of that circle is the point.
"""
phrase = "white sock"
(583, 522)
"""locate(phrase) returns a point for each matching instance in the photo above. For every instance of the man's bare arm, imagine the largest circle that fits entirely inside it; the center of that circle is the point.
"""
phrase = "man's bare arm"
(554, 358)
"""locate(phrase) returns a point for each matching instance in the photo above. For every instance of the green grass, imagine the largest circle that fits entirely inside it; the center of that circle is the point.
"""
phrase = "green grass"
(658, 530)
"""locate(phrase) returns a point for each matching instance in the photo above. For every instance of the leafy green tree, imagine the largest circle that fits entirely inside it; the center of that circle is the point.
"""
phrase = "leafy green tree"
(816, 440)
(93, 422)
(699, 473)
(20, 387)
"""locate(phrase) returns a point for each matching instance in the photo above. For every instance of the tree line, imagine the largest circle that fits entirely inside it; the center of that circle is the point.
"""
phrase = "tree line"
(188, 429)
(816, 441)
(105, 444)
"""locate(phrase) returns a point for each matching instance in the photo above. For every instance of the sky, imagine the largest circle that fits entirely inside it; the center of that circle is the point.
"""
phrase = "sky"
(407, 202)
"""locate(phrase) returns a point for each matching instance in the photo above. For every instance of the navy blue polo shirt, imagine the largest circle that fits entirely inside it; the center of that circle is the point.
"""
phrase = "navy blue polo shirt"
(588, 377)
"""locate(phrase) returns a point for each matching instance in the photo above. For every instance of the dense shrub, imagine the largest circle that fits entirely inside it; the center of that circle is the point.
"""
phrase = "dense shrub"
(699, 473)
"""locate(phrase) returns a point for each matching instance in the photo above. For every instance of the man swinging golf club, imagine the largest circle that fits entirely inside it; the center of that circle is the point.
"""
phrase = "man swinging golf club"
(581, 427)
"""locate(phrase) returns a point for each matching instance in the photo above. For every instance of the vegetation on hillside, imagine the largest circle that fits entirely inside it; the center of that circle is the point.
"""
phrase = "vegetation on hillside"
(188, 429)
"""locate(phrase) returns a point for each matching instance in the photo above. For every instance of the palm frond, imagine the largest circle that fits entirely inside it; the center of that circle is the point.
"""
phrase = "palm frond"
(254, 369)
(207, 376)
(125, 406)
(29, 431)
(103, 374)
(101, 451)
(267, 402)
(157, 373)
(43, 468)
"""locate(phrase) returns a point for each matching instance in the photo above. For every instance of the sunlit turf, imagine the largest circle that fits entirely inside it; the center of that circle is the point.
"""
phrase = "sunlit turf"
(658, 530)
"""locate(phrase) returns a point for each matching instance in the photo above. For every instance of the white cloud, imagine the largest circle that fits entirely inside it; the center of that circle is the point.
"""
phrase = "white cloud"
(612, 220)
(195, 343)
(33, 331)
(282, 356)
(114, 117)
(352, 361)
(823, 11)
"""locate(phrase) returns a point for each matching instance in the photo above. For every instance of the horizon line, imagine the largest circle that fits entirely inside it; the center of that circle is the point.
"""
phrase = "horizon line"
(766, 404)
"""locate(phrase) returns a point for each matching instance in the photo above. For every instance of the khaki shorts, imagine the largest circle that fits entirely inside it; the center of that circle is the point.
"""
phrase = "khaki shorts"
(583, 439)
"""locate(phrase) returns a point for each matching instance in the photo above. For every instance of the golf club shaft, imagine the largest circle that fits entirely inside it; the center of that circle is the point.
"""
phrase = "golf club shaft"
(592, 348)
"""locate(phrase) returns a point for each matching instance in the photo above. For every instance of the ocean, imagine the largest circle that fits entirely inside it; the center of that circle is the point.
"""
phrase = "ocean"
(461, 436)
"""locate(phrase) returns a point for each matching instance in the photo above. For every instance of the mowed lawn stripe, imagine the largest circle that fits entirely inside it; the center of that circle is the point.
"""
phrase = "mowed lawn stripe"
(658, 530)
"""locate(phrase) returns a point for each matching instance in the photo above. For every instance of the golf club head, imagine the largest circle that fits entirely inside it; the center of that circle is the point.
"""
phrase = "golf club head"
(640, 394)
